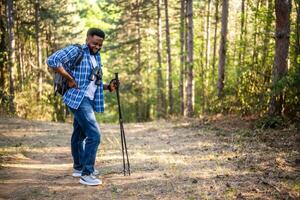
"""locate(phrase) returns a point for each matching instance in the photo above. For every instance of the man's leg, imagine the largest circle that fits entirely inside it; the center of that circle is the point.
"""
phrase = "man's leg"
(77, 145)
(86, 119)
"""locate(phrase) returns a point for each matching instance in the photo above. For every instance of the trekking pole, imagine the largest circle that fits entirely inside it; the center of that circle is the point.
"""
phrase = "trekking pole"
(123, 139)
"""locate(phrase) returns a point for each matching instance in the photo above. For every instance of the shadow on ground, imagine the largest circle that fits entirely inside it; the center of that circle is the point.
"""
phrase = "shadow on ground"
(222, 159)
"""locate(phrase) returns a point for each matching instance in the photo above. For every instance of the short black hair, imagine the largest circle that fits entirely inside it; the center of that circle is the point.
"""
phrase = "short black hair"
(96, 31)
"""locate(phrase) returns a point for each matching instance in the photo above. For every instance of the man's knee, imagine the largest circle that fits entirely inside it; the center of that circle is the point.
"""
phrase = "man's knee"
(98, 139)
(95, 138)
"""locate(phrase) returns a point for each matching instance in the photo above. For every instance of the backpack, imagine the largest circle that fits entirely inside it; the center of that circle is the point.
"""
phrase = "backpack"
(60, 82)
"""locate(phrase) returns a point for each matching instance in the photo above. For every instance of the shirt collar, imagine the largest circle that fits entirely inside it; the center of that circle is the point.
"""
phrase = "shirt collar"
(84, 46)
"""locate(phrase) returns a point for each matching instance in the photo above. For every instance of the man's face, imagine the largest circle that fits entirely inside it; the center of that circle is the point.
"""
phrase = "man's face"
(94, 43)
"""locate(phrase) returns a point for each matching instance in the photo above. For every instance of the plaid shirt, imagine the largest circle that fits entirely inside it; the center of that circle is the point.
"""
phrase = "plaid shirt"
(66, 57)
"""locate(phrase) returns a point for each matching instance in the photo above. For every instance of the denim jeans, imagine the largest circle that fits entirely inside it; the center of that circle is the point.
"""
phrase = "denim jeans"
(85, 127)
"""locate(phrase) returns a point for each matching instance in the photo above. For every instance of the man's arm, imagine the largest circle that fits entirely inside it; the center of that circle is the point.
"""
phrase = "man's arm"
(60, 57)
(64, 73)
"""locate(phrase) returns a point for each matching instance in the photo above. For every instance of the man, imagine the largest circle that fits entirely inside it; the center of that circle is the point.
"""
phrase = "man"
(84, 96)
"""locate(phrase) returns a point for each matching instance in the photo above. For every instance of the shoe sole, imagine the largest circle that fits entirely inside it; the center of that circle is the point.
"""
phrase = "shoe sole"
(76, 175)
(91, 184)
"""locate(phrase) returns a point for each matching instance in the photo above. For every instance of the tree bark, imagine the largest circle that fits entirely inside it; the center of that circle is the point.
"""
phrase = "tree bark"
(2, 49)
(222, 50)
(282, 11)
(11, 53)
(207, 56)
(267, 31)
(190, 44)
(169, 61)
(215, 41)
(18, 53)
(203, 69)
(161, 99)
(297, 45)
(206, 67)
(182, 55)
(139, 108)
(38, 49)
(255, 49)
(242, 43)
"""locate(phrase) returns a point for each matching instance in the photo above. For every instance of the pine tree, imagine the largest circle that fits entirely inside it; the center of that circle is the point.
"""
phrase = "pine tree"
(11, 53)
(222, 50)
(282, 10)
(190, 56)
(169, 61)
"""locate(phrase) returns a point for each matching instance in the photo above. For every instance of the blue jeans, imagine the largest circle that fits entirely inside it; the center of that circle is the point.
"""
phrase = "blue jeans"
(85, 127)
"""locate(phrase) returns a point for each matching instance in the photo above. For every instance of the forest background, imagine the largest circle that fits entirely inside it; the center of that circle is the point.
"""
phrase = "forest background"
(174, 58)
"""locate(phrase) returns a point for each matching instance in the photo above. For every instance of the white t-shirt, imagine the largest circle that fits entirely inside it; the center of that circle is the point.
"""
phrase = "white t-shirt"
(92, 87)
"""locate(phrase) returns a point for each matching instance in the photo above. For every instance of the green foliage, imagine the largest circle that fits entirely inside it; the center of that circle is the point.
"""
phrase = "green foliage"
(28, 108)
(270, 122)
(4, 102)
(130, 49)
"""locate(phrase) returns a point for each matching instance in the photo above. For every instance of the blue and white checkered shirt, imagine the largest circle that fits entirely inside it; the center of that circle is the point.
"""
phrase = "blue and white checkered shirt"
(66, 57)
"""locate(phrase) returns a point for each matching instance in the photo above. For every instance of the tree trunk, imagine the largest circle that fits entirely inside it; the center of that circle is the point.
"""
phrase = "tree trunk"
(3, 49)
(161, 99)
(255, 49)
(215, 42)
(182, 55)
(206, 67)
(190, 44)
(139, 104)
(267, 31)
(169, 61)
(203, 68)
(297, 45)
(282, 11)
(11, 53)
(242, 44)
(222, 50)
(207, 35)
(38, 49)
(18, 54)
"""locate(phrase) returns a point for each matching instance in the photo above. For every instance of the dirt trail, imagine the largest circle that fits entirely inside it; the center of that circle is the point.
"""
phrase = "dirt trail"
(214, 159)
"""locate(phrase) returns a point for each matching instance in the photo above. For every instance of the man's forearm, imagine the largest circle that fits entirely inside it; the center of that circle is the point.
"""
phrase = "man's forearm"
(64, 73)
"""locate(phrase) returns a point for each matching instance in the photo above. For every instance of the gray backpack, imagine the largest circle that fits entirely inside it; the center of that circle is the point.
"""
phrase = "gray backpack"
(60, 82)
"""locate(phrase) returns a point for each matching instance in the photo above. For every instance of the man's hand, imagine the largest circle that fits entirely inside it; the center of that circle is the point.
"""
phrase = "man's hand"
(72, 84)
(113, 85)
(64, 73)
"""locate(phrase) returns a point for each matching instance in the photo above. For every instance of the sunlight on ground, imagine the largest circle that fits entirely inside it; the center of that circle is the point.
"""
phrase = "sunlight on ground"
(167, 161)
(41, 166)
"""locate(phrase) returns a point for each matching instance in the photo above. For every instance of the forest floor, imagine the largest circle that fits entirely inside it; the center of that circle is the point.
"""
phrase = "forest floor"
(213, 158)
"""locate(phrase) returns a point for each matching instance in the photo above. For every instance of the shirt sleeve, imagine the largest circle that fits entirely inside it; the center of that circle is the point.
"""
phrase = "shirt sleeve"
(63, 57)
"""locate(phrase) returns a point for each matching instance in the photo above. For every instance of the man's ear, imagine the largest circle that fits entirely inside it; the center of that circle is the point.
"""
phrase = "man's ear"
(88, 38)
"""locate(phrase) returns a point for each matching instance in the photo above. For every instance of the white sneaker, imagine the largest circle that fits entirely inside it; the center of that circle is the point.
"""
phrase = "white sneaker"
(90, 180)
(96, 172)
(77, 173)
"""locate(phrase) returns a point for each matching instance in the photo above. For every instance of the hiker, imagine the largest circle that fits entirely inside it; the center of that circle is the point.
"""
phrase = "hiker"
(84, 97)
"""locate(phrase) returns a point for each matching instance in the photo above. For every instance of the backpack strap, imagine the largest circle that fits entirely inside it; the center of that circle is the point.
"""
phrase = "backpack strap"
(79, 56)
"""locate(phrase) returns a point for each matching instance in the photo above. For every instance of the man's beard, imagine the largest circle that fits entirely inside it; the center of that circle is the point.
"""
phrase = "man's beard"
(92, 53)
